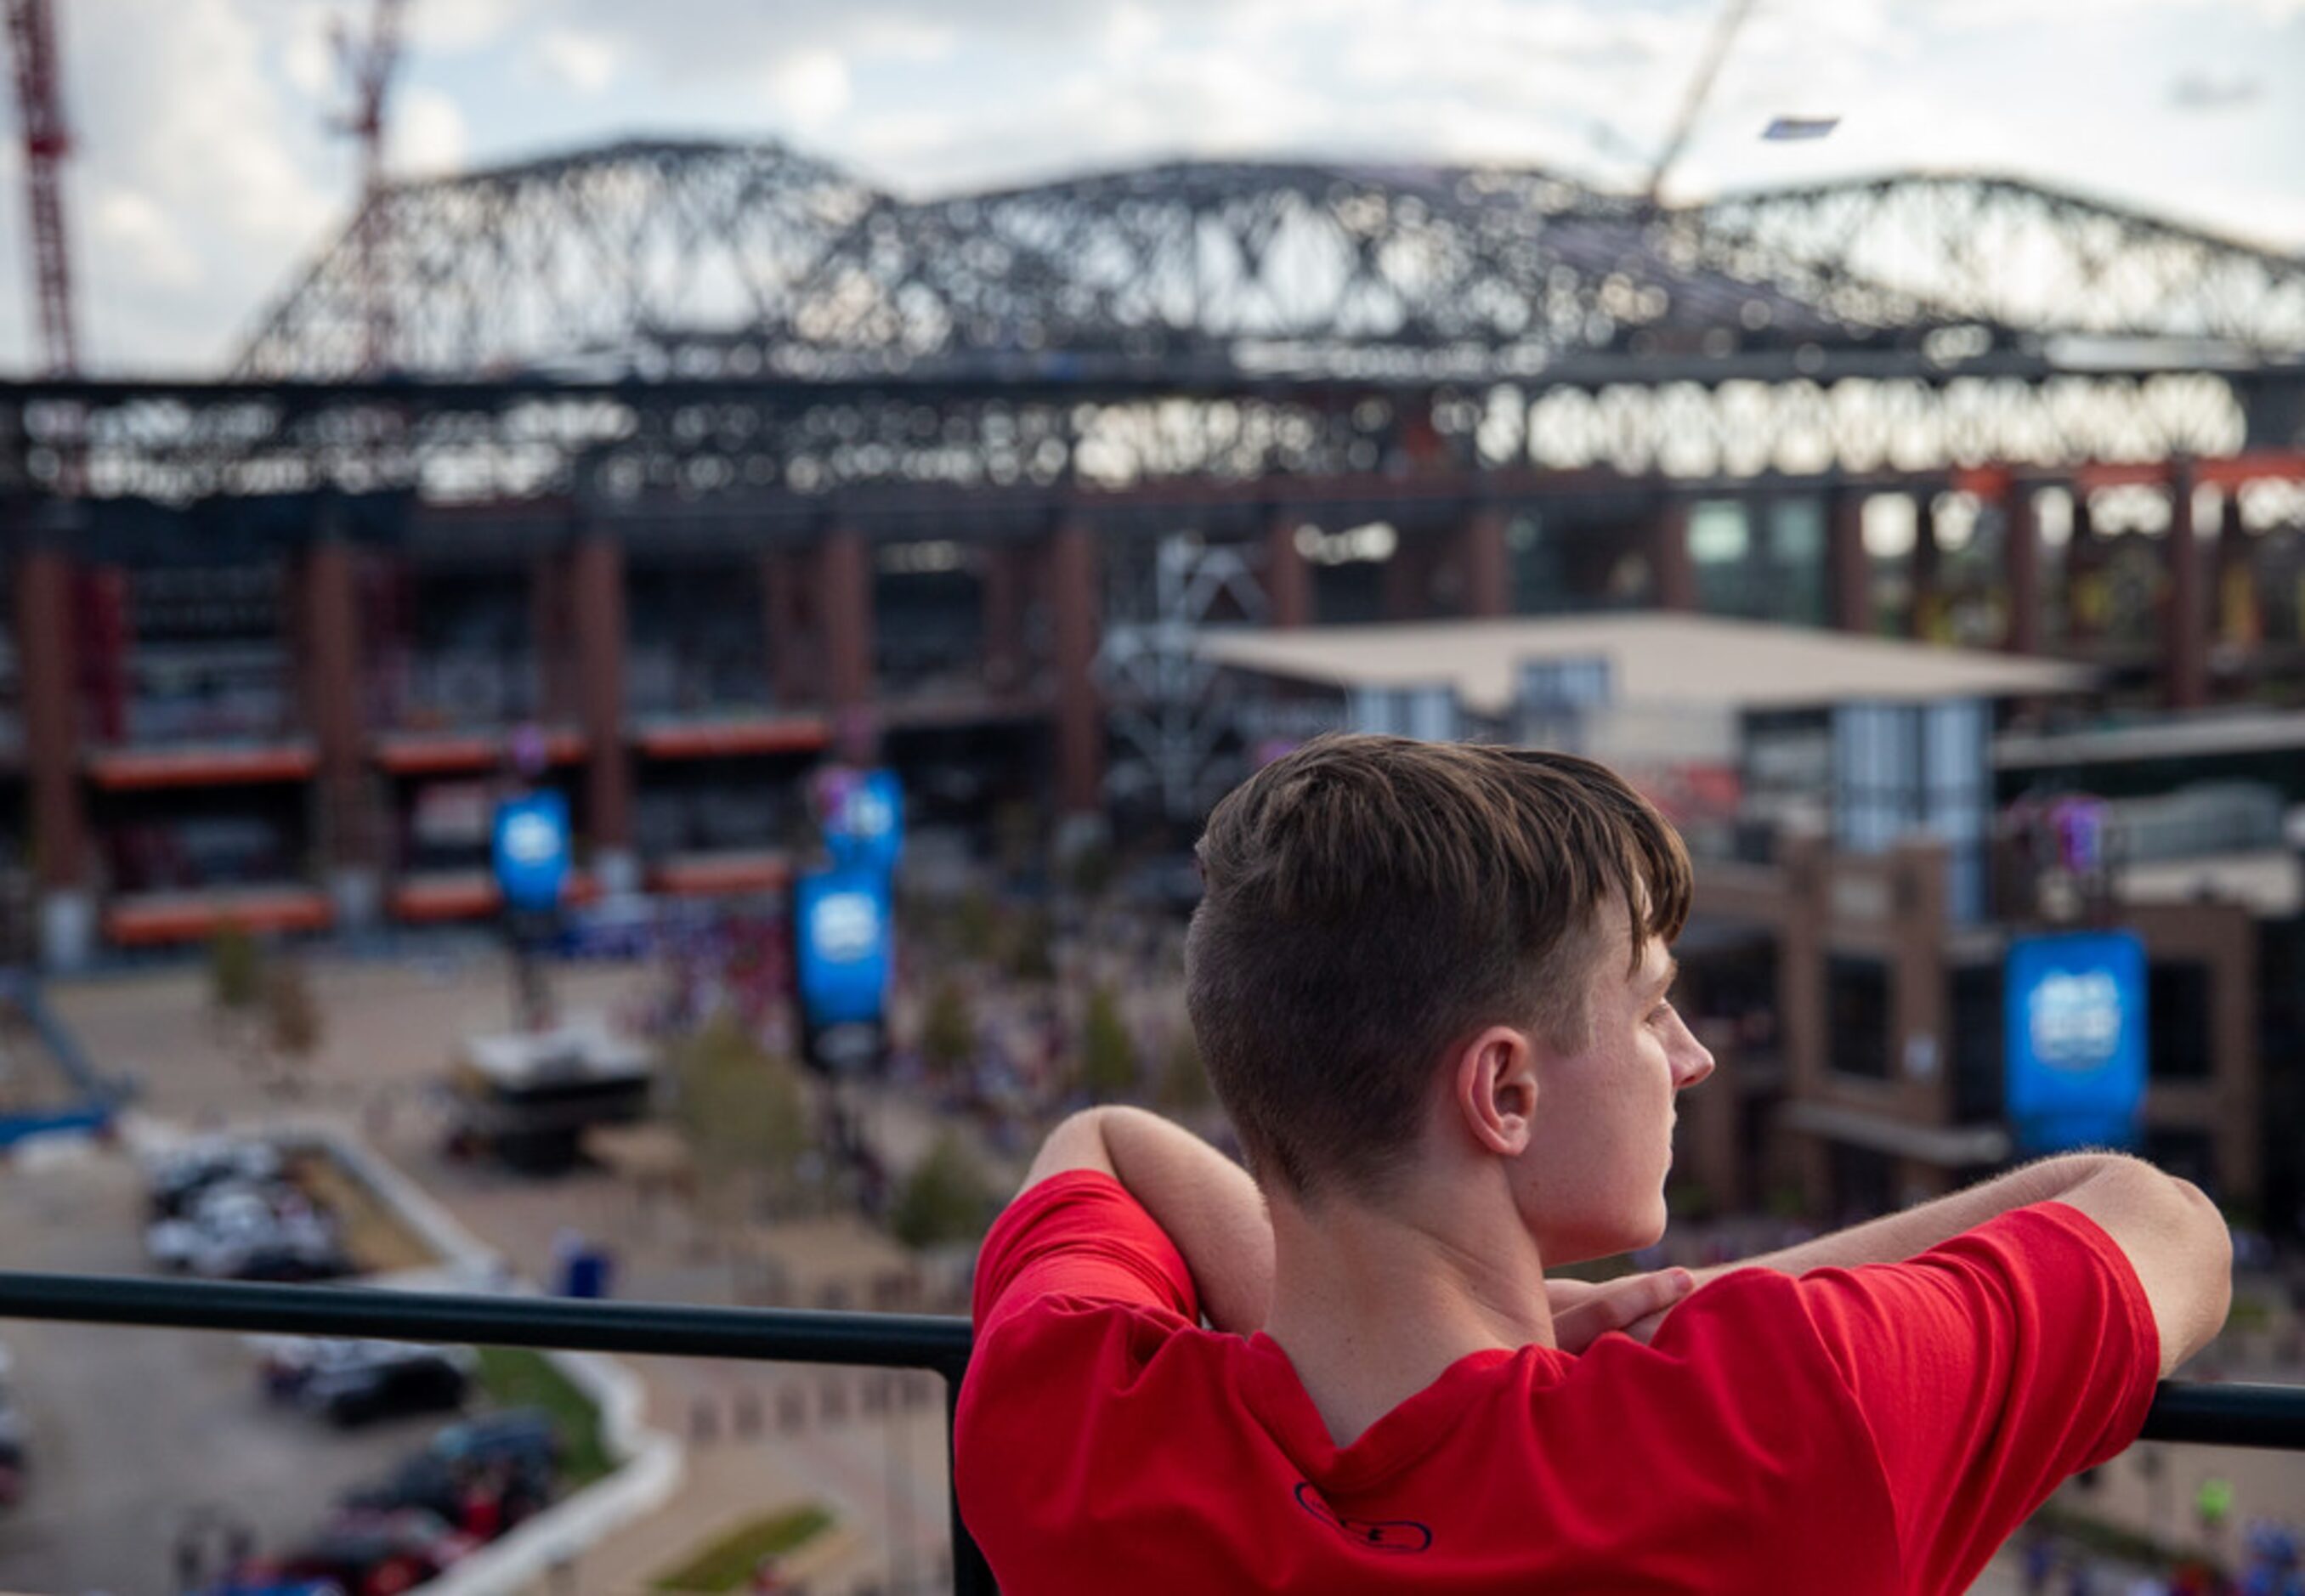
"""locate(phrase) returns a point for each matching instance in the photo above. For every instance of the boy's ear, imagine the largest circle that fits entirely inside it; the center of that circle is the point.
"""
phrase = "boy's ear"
(1493, 1089)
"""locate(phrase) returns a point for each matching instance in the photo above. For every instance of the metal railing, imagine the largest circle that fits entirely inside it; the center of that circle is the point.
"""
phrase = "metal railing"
(2221, 1415)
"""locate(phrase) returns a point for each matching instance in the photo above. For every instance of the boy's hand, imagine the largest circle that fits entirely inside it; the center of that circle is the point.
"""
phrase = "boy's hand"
(1582, 1312)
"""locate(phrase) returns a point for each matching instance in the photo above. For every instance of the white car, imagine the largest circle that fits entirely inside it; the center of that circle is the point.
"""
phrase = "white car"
(239, 1231)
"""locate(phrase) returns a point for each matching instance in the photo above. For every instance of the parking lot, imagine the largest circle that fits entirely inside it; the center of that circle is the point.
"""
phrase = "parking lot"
(134, 1433)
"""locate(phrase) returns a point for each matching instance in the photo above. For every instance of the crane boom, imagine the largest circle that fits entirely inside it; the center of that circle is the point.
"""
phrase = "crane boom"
(1700, 90)
(369, 67)
(39, 99)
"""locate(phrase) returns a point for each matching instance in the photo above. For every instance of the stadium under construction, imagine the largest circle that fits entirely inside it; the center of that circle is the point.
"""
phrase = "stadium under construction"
(685, 464)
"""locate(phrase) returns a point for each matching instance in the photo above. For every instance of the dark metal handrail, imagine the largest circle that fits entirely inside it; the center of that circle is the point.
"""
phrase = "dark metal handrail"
(2222, 1415)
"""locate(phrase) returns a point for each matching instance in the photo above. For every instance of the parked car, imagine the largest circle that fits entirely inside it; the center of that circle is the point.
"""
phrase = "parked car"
(484, 1500)
(177, 1177)
(375, 1554)
(241, 1231)
(350, 1382)
(526, 1436)
(11, 1436)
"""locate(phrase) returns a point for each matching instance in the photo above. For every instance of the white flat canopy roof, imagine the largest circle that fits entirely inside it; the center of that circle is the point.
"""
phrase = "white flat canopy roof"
(1653, 659)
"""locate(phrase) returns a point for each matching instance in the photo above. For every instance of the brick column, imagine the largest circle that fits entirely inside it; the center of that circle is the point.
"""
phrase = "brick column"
(1002, 589)
(1920, 612)
(107, 633)
(792, 680)
(47, 676)
(1077, 616)
(1409, 580)
(550, 631)
(844, 609)
(2185, 644)
(1486, 563)
(1847, 569)
(596, 581)
(1288, 597)
(2021, 569)
(328, 613)
(1672, 580)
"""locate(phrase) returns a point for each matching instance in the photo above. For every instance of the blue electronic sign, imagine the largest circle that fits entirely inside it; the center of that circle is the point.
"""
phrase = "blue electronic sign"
(863, 815)
(2074, 1059)
(841, 940)
(530, 851)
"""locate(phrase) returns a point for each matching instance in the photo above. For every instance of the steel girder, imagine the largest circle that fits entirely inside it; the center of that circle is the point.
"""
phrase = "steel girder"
(2010, 253)
(564, 261)
(759, 447)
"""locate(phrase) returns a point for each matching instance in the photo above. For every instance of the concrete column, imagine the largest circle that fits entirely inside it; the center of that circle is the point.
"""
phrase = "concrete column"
(1486, 563)
(1673, 570)
(1848, 570)
(2185, 645)
(47, 676)
(1002, 588)
(844, 609)
(1287, 580)
(2020, 556)
(596, 580)
(329, 610)
(2234, 600)
(2084, 558)
(1920, 612)
(1076, 616)
(1801, 998)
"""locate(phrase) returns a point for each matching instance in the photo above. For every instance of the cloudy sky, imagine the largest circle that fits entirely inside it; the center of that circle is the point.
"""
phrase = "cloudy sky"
(206, 173)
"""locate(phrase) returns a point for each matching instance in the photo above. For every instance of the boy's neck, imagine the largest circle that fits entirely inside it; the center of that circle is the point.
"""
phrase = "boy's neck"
(1372, 1305)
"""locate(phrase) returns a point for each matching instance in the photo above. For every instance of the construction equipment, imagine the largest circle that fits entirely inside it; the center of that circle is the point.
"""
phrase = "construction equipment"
(369, 66)
(39, 99)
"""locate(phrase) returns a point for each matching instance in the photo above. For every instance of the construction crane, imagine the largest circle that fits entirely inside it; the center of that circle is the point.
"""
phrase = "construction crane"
(1700, 90)
(369, 66)
(39, 98)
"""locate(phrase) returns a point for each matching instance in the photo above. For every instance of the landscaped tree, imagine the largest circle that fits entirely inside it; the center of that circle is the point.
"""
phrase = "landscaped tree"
(292, 1021)
(948, 1028)
(1030, 955)
(745, 1117)
(236, 969)
(948, 1197)
(1184, 1087)
(1108, 1052)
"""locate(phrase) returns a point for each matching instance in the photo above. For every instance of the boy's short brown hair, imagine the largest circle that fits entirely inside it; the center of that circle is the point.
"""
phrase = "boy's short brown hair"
(1369, 902)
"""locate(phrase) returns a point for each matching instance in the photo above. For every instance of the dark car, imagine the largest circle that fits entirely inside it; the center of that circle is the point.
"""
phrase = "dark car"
(522, 1437)
(377, 1554)
(350, 1382)
(483, 1499)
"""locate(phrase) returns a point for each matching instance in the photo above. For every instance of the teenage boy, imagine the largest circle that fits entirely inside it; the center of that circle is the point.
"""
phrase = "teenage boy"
(1431, 985)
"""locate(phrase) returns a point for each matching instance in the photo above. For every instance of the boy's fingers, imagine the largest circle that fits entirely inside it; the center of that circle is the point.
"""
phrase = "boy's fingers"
(1621, 1305)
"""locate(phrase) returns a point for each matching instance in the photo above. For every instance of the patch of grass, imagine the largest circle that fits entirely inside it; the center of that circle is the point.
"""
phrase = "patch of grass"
(2113, 1540)
(727, 1563)
(523, 1377)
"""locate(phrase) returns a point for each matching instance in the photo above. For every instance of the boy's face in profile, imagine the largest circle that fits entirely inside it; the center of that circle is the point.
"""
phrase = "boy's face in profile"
(1592, 1181)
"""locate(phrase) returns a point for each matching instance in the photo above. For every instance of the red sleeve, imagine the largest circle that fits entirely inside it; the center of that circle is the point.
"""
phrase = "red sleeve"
(1988, 1369)
(1080, 1236)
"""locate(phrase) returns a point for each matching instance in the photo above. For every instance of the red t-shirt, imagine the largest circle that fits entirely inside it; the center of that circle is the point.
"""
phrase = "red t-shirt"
(1874, 1430)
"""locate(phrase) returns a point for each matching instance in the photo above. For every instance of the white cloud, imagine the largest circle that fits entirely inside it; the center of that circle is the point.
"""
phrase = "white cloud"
(806, 89)
(456, 27)
(141, 240)
(426, 136)
(583, 61)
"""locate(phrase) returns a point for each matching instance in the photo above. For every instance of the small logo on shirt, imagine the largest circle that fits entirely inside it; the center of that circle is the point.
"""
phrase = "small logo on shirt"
(1371, 1535)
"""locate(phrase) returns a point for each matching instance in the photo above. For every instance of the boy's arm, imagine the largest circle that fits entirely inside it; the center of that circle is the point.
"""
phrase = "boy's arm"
(2171, 1234)
(1205, 1202)
(1213, 1211)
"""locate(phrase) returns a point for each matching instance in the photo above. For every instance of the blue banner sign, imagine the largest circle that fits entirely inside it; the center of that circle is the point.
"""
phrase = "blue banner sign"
(2074, 1060)
(841, 940)
(530, 851)
(863, 815)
